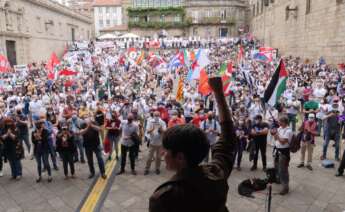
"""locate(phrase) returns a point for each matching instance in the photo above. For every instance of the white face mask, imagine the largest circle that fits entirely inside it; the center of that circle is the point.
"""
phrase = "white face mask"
(310, 119)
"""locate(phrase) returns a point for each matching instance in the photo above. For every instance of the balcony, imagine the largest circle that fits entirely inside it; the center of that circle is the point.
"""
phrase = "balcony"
(213, 21)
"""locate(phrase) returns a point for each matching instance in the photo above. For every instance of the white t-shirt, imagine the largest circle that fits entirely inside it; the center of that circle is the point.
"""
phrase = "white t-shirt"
(284, 133)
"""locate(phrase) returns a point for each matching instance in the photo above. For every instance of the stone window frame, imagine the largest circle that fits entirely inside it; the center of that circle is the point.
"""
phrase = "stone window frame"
(308, 7)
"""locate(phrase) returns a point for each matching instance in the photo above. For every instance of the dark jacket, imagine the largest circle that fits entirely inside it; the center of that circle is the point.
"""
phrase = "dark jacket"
(12, 148)
(202, 189)
(41, 145)
(91, 139)
(65, 147)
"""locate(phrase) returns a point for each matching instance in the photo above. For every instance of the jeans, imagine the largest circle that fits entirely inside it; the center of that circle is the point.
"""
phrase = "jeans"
(328, 137)
(89, 156)
(132, 154)
(281, 164)
(16, 167)
(67, 159)
(42, 157)
(260, 145)
(52, 153)
(154, 150)
(342, 164)
(239, 151)
(114, 140)
(25, 137)
(319, 126)
(79, 154)
(292, 121)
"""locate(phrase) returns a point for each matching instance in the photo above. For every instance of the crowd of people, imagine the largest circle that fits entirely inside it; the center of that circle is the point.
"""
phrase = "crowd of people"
(115, 103)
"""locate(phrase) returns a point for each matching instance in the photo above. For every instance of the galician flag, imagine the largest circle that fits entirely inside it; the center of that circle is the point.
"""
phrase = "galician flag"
(277, 85)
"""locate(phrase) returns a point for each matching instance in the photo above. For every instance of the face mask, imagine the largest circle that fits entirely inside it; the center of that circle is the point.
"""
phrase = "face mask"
(156, 119)
(310, 119)
(257, 121)
(130, 120)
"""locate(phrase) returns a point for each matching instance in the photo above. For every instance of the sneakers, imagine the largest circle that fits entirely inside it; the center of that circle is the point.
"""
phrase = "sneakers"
(82, 161)
(300, 165)
(1, 174)
(104, 176)
(309, 167)
(238, 168)
(91, 176)
(134, 172)
(50, 179)
(146, 172)
(158, 171)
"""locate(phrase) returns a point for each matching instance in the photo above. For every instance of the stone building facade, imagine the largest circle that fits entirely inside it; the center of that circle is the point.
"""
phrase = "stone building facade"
(30, 30)
(219, 18)
(309, 28)
(199, 18)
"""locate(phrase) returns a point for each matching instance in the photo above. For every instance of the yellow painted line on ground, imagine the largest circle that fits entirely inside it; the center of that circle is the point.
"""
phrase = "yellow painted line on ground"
(97, 190)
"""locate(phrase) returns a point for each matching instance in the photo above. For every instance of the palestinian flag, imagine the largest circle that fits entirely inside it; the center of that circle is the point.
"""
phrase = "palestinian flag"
(277, 85)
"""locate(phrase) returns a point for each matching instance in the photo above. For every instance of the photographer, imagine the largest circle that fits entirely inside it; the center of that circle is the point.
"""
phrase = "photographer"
(66, 147)
(40, 140)
(13, 149)
(309, 129)
(332, 129)
(259, 133)
(90, 132)
(282, 137)
(155, 129)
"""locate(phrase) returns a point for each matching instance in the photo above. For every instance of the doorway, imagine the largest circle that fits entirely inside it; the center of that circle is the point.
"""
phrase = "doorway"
(73, 34)
(11, 52)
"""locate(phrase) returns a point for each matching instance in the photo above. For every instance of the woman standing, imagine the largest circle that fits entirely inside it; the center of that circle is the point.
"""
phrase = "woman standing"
(113, 127)
(12, 148)
(66, 147)
(40, 139)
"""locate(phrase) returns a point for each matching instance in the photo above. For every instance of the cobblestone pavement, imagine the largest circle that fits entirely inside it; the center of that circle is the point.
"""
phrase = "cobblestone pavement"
(29, 196)
(310, 191)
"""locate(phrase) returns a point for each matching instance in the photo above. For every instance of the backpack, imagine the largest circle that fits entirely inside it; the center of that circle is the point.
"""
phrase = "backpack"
(295, 143)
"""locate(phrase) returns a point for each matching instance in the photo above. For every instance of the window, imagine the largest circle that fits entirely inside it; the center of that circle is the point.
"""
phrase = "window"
(177, 18)
(107, 10)
(108, 22)
(308, 7)
(262, 6)
(254, 10)
(223, 14)
(100, 11)
(101, 23)
(287, 11)
(136, 19)
(162, 18)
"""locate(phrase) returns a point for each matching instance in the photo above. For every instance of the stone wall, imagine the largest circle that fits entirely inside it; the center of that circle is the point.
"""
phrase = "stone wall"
(287, 25)
(39, 27)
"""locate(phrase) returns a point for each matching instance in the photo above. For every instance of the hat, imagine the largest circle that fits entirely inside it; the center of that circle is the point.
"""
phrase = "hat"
(311, 115)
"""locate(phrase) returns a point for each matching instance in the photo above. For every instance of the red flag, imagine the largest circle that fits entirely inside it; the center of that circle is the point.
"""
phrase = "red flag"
(240, 54)
(51, 75)
(4, 64)
(67, 72)
(204, 87)
(341, 66)
(52, 62)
